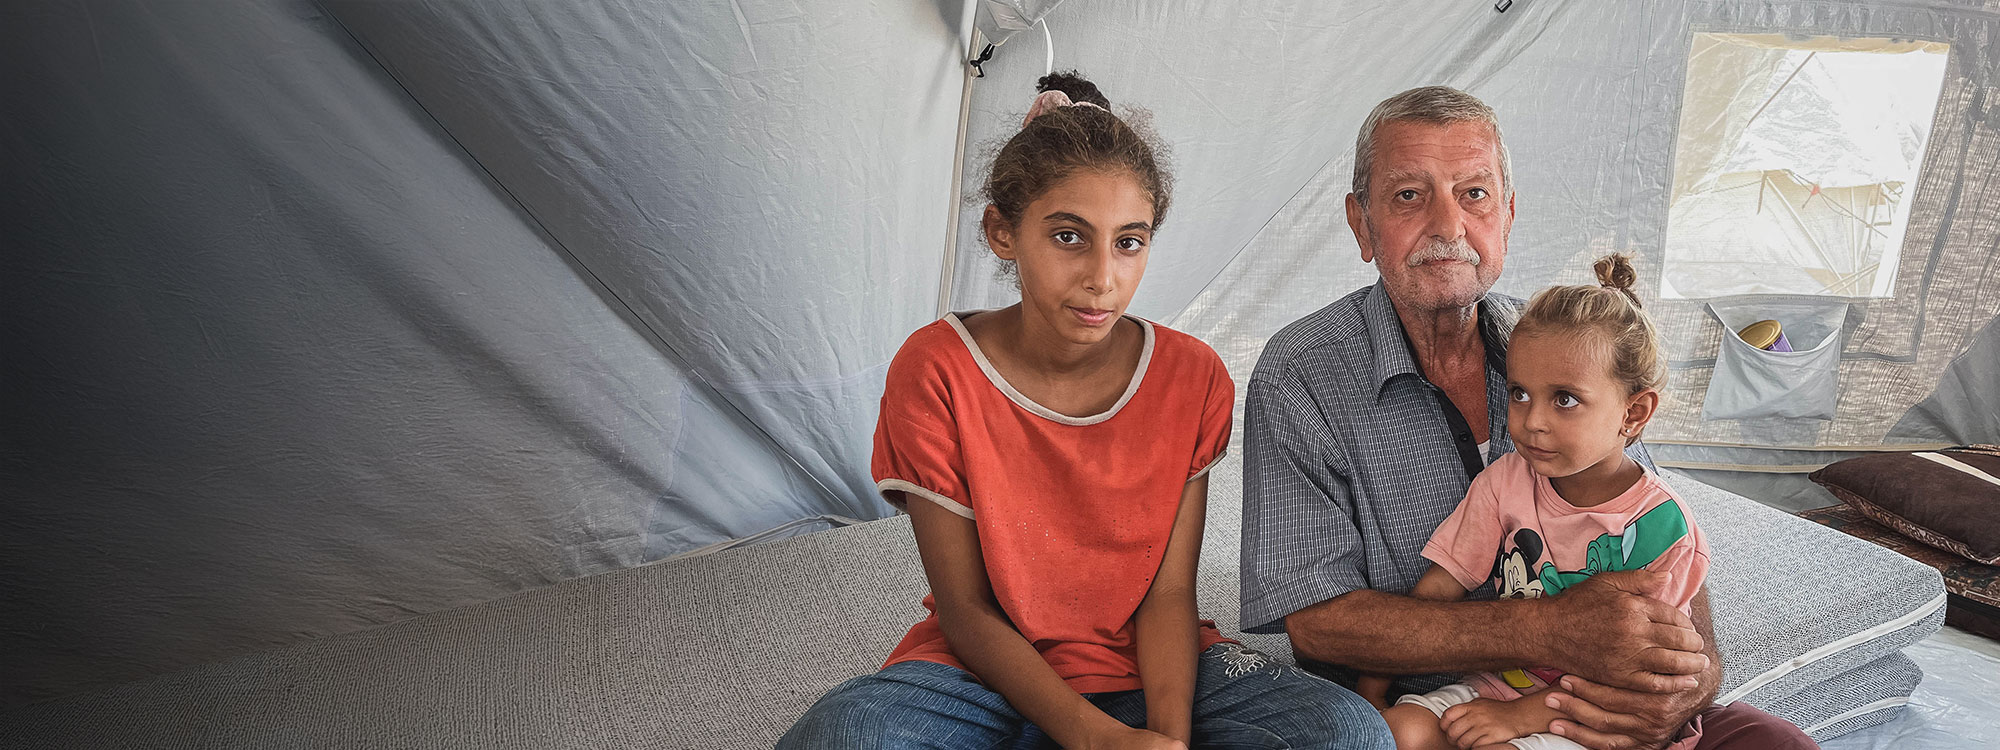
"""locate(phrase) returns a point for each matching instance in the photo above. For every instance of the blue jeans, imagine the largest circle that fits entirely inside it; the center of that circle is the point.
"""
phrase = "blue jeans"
(1242, 699)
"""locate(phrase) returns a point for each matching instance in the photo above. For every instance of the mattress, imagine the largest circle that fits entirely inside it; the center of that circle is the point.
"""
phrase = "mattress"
(728, 649)
(1796, 603)
(1859, 698)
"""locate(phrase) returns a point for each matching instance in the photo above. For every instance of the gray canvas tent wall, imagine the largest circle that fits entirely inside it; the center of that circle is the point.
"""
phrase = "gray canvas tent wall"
(326, 314)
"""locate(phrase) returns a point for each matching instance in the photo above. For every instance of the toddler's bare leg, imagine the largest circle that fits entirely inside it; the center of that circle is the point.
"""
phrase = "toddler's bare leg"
(1416, 728)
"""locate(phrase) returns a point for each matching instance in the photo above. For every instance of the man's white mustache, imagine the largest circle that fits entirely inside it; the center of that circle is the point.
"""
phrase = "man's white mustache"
(1441, 250)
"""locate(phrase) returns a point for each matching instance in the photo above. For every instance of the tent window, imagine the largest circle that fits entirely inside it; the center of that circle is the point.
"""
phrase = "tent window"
(1795, 164)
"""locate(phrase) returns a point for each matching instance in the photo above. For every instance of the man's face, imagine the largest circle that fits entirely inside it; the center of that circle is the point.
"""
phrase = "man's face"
(1436, 222)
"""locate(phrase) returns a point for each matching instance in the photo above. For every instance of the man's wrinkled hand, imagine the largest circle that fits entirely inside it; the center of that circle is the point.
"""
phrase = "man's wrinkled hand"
(1612, 629)
(1609, 718)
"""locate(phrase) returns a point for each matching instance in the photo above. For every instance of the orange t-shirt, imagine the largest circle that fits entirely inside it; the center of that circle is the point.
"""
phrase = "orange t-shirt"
(1073, 513)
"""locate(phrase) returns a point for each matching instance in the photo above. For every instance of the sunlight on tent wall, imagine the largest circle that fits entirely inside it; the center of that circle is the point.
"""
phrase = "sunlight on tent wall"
(1794, 164)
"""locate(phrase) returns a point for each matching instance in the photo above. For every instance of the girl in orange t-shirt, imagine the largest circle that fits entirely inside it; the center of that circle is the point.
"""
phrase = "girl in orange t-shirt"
(1053, 457)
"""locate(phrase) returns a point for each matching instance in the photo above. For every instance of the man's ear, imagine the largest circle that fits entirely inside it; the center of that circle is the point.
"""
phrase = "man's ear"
(1357, 222)
(999, 235)
(1639, 409)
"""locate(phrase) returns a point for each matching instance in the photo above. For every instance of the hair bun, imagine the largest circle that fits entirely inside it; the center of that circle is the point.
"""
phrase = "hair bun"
(1615, 272)
(1076, 86)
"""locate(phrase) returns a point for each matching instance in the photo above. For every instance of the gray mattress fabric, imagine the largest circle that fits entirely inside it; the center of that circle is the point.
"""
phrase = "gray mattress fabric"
(1797, 603)
(727, 650)
(1856, 699)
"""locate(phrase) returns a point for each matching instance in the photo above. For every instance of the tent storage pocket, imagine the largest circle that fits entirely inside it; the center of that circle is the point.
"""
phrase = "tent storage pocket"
(1754, 383)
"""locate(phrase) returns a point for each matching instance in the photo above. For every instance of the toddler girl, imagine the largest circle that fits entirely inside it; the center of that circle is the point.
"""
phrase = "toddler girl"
(1584, 369)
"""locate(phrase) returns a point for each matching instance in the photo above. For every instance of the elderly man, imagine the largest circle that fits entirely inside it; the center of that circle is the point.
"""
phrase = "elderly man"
(1368, 419)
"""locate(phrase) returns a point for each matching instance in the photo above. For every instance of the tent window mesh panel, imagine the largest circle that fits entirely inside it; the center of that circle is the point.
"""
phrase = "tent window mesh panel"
(1794, 164)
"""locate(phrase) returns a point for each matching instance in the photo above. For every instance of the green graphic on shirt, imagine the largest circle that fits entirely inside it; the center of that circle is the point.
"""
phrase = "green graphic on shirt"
(1649, 536)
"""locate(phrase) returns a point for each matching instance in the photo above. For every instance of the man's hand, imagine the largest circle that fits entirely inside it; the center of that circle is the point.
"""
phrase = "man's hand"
(1609, 718)
(1611, 628)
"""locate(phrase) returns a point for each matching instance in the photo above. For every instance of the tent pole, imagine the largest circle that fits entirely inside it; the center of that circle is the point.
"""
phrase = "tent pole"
(946, 271)
(968, 34)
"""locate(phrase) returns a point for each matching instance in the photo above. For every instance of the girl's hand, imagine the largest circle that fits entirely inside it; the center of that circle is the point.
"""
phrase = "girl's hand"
(1128, 738)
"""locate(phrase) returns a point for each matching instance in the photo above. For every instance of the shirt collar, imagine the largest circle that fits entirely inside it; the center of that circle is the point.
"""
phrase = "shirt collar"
(1392, 346)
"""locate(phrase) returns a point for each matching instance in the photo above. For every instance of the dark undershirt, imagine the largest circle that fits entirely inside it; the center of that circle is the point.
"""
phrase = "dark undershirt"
(1461, 435)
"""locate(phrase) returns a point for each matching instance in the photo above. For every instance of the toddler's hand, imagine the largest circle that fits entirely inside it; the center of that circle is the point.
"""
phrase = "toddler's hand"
(1484, 721)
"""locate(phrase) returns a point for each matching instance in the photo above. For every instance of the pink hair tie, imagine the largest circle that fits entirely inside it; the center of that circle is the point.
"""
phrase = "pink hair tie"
(1049, 100)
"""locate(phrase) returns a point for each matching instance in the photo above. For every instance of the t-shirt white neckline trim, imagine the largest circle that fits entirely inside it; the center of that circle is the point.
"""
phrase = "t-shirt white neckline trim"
(993, 376)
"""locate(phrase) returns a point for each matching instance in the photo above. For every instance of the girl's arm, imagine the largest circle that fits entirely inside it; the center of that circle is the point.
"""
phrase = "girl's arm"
(1435, 585)
(984, 639)
(1166, 625)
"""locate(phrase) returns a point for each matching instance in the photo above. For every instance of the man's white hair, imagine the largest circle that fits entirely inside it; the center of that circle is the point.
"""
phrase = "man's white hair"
(1436, 105)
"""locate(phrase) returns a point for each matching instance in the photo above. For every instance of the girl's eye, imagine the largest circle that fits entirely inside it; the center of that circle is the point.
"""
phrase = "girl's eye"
(1518, 395)
(1131, 244)
(1068, 237)
(1567, 401)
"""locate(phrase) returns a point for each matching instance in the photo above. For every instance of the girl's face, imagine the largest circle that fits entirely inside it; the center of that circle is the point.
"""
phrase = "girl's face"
(1565, 411)
(1081, 248)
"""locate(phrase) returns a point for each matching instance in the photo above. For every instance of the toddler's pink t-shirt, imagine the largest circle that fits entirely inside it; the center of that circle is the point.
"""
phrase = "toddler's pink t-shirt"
(1513, 529)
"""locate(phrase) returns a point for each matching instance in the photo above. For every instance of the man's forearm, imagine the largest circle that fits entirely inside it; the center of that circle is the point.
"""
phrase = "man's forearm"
(1380, 632)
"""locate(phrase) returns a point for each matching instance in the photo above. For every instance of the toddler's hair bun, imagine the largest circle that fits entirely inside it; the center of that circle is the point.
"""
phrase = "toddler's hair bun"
(1615, 272)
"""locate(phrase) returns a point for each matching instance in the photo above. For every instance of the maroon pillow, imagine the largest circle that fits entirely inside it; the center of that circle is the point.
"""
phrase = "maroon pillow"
(1948, 499)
